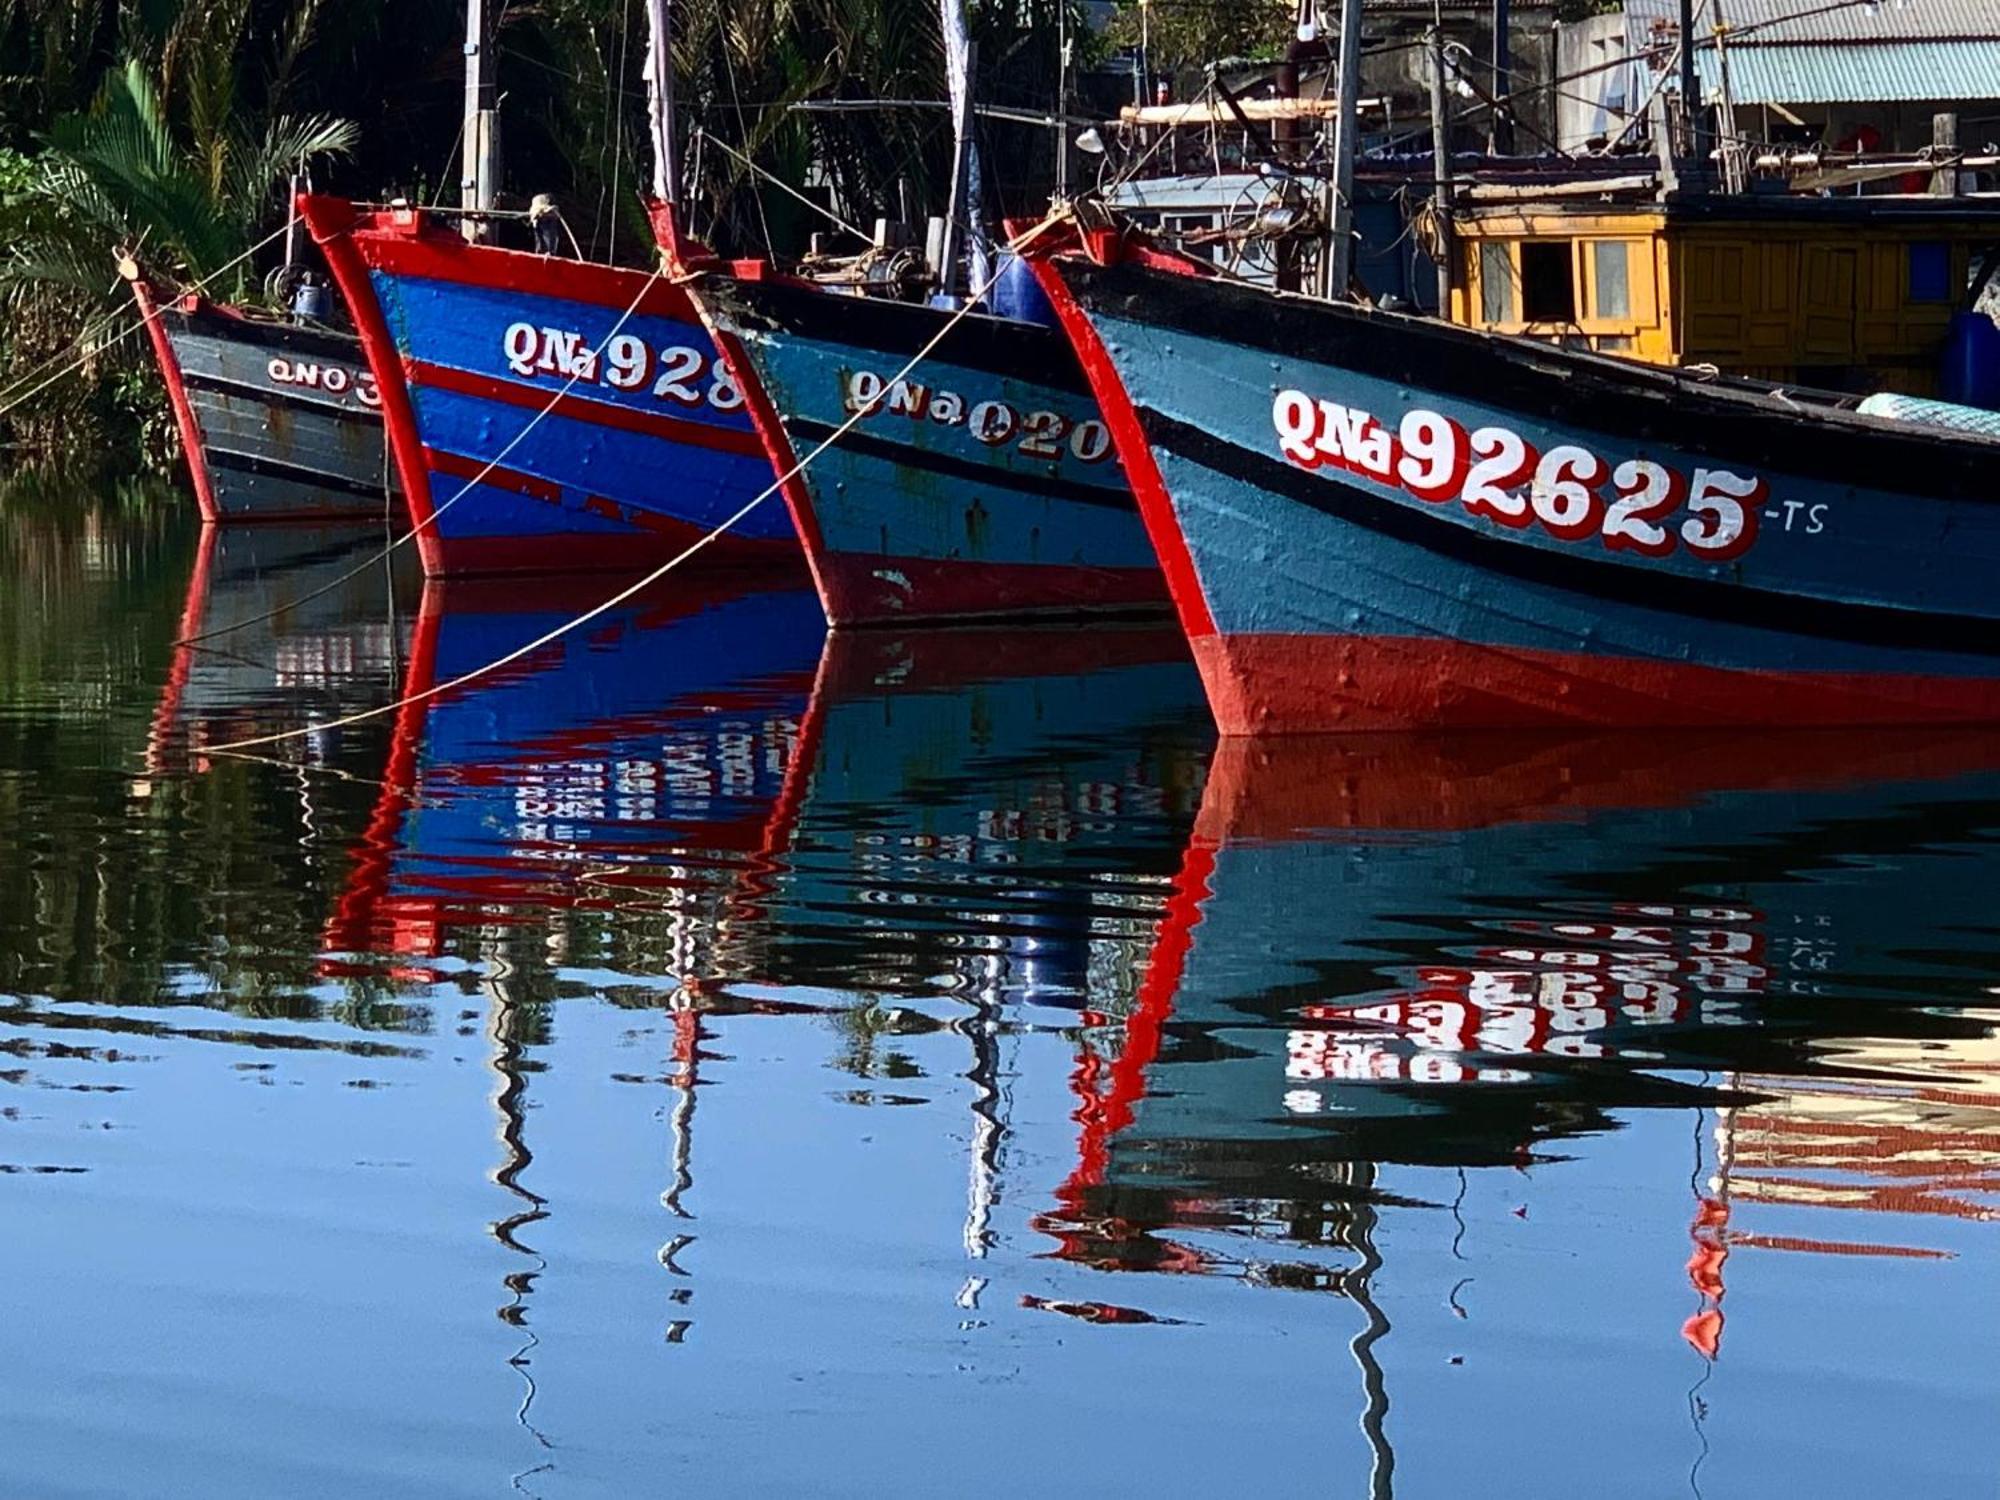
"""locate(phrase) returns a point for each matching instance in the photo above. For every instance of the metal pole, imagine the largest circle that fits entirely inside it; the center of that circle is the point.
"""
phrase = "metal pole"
(1441, 192)
(1500, 133)
(1694, 117)
(1727, 154)
(1062, 101)
(480, 175)
(1346, 146)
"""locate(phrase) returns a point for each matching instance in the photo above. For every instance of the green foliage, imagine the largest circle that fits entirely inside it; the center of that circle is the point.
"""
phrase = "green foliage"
(170, 157)
(1183, 37)
(171, 124)
(117, 175)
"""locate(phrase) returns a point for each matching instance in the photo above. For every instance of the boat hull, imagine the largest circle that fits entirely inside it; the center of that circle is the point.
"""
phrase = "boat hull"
(547, 415)
(983, 485)
(278, 423)
(1372, 522)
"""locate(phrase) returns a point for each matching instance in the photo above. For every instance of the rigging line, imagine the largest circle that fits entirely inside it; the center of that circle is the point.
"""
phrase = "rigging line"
(9, 399)
(779, 182)
(465, 489)
(83, 336)
(444, 172)
(1015, 245)
(1126, 174)
(743, 125)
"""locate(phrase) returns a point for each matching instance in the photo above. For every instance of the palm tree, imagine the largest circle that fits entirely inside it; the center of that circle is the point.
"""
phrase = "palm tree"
(117, 175)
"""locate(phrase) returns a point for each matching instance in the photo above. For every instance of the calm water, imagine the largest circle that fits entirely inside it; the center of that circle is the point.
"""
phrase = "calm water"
(702, 1060)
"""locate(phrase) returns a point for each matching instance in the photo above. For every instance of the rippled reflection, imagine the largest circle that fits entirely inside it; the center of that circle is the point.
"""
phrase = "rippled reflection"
(700, 1008)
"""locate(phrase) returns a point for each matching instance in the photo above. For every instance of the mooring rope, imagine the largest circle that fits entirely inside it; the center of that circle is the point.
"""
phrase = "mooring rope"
(972, 301)
(9, 400)
(491, 464)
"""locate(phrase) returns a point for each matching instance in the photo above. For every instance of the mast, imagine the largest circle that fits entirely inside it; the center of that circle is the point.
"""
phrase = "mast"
(962, 216)
(660, 102)
(480, 176)
(1500, 128)
(1441, 193)
(1062, 101)
(1346, 146)
(1726, 153)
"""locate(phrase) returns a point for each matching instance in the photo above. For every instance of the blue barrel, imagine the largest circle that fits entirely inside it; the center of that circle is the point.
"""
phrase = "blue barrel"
(1016, 294)
(1970, 373)
(311, 300)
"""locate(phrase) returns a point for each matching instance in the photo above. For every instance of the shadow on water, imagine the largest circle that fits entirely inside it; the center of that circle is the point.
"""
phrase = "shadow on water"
(1290, 992)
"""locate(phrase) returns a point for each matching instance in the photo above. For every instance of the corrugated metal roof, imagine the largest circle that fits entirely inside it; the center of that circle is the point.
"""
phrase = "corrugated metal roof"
(1783, 22)
(1868, 72)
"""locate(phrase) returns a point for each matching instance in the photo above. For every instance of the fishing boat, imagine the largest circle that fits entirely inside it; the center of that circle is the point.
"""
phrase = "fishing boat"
(980, 483)
(279, 419)
(1375, 521)
(545, 414)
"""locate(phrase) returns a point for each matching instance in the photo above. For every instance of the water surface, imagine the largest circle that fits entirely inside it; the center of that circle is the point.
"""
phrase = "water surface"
(703, 1056)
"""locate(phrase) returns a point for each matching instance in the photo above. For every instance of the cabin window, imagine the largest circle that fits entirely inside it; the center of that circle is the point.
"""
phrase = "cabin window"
(1548, 282)
(1496, 282)
(1930, 271)
(1612, 293)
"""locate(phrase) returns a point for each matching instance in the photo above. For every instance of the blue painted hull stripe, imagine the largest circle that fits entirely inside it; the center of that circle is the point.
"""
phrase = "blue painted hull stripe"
(1712, 600)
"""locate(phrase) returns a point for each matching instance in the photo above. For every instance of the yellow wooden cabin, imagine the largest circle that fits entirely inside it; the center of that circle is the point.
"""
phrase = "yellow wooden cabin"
(1848, 294)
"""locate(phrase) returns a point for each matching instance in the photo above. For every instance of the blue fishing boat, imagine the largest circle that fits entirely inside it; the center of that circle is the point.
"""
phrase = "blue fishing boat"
(537, 425)
(979, 483)
(1375, 521)
(982, 484)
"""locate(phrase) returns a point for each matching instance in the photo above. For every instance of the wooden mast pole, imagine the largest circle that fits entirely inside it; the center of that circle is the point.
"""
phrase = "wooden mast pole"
(479, 179)
(660, 101)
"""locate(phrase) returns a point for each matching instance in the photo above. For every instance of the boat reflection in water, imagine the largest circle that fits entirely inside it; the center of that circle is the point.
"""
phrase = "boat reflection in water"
(989, 814)
(283, 627)
(577, 821)
(693, 802)
(593, 802)
(1391, 953)
(1686, 987)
